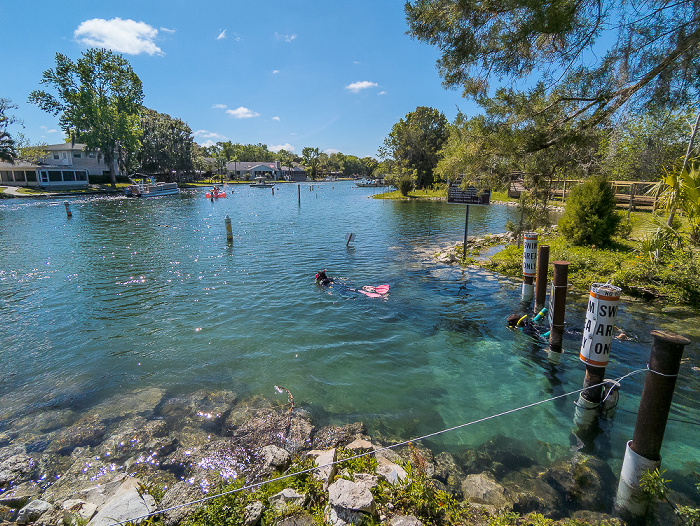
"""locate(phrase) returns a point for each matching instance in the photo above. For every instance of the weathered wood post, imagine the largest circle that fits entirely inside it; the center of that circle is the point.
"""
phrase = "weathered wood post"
(466, 227)
(643, 452)
(529, 264)
(229, 231)
(601, 312)
(68, 212)
(631, 205)
(558, 311)
(541, 281)
(299, 193)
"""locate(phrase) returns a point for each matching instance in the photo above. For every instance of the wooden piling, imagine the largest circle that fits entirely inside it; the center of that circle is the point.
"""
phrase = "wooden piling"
(558, 295)
(541, 282)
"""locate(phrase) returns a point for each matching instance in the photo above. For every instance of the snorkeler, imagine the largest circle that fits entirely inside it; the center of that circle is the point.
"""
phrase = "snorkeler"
(529, 327)
(322, 279)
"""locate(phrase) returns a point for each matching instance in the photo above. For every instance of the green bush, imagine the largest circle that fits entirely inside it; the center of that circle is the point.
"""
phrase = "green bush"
(405, 185)
(590, 217)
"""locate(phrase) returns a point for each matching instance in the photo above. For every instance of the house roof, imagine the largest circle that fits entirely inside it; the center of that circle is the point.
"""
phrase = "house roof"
(18, 165)
(65, 146)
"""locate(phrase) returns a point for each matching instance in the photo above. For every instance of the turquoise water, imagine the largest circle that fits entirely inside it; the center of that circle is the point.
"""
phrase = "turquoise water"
(130, 294)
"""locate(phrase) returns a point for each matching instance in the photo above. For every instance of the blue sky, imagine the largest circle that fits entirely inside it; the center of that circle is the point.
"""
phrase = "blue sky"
(286, 73)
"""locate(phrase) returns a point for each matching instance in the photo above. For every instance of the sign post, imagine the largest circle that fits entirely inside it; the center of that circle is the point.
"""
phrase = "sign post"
(467, 196)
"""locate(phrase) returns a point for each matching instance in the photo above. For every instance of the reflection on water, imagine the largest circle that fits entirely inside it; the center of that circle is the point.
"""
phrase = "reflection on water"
(134, 295)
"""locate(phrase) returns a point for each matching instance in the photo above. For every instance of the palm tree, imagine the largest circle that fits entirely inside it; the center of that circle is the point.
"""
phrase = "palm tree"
(680, 190)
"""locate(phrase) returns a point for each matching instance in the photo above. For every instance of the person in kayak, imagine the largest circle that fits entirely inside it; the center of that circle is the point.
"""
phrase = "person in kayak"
(322, 279)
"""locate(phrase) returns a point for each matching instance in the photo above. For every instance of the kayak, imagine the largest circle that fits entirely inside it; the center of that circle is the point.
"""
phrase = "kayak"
(220, 194)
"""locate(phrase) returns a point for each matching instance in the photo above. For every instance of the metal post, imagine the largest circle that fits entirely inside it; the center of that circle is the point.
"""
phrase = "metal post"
(541, 283)
(466, 226)
(643, 452)
(299, 193)
(68, 212)
(229, 232)
(558, 310)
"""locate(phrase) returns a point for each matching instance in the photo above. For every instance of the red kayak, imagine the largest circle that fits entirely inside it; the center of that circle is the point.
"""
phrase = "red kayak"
(216, 196)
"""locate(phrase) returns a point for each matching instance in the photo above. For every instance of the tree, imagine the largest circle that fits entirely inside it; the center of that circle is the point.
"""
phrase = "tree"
(415, 142)
(98, 99)
(651, 51)
(590, 216)
(166, 145)
(369, 164)
(8, 146)
(310, 156)
(680, 189)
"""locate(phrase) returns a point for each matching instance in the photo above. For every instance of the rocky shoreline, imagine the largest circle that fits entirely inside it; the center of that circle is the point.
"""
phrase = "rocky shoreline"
(135, 455)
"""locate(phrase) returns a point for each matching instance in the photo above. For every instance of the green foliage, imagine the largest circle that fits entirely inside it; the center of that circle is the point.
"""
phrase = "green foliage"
(98, 99)
(590, 216)
(414, 143)
(680, 189)
(166, 144)
(8, 146)
(405, 185)
(653, 484)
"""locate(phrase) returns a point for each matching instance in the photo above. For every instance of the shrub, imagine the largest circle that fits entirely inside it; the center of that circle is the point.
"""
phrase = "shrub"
(590, 217)
(405, 185)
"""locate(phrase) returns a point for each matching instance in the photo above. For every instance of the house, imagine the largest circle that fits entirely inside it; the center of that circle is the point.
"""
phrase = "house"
(269, 169)
(64, 166)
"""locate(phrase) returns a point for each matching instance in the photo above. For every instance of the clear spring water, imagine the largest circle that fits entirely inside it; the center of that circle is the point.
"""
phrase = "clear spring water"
(130, 294)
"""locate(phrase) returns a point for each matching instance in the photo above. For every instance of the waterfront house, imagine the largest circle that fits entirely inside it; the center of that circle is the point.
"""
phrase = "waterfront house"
(272, 170)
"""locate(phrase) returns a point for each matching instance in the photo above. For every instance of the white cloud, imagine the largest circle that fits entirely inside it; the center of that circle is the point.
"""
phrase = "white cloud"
(382, 93)
(208, 143)
(286, 38)
(275, 71)
(275, 118)
(331, 150)
(279, 147)
(122, 36)
(356, 87)
(209, 135)
(222, 35)
(242, 113)
(166, 30)
(219, 106)
(46, 130)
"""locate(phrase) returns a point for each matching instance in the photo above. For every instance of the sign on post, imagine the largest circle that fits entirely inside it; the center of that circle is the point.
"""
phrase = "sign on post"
(599, 325)
(468, 196)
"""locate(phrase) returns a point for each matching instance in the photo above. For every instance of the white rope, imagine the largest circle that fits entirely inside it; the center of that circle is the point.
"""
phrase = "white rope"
(405, 442)
(661, 374)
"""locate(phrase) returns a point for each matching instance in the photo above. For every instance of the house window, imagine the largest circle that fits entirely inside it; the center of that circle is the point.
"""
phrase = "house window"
(69, 175)
(65, 155)
(55, 176)
(19, 177)
(44, 177)
(31, 176)
(56, 156)
(81, 175)
(92, 155)
(77, 155)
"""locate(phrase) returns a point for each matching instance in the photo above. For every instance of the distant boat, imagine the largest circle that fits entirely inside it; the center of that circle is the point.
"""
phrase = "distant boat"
(369, 183)
(151, 189)
(261, 182)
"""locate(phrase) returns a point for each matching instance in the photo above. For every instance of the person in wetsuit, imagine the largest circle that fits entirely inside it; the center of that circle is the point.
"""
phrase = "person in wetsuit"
(322, 279)
(529, 327)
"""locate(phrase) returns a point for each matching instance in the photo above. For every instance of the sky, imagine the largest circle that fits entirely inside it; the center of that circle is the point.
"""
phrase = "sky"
(286, 73)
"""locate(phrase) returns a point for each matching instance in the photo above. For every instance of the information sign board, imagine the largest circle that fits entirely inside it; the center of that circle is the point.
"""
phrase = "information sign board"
(468, 196)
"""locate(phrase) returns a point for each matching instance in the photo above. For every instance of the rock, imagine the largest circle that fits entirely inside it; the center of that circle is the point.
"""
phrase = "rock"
(184, 491)
(298, 519)
(483, 489)
(19, 495)
(32, 511)
(530, 492)
(252, 513)
(334, 436)
(77, 511)
(127, 503)
(389, 471)
(99, 495)
(272, 427)
(86, 432)
(207, 410)
(367, 480)
(274, 457)
(343, 517)
(286, 497)
(583, 482)
(404, 520)
(16, 469)
(359, 445)
(139, 402)
(324, 458)
(349, 495)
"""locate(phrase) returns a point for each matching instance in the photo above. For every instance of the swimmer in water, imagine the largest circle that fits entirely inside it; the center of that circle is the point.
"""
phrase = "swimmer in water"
(322, 279)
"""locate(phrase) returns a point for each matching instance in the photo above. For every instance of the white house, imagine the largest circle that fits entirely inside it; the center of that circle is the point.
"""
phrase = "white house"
(64, 166)
(269, 169)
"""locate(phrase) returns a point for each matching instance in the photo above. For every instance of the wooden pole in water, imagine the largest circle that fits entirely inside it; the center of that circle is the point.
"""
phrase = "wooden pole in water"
(229, 232)
(68, 212)
(299, 193)
(466, 227)
(643, 453)
(558, 299)
(541, 283)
